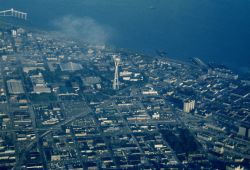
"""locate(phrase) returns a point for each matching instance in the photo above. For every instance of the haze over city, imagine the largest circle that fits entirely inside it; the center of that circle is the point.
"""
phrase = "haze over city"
(216, 31)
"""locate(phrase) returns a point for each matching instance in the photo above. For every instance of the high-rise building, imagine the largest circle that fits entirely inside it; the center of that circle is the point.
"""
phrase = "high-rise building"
(188, 105)
(116, 77)
(14, 33)
(242, 131)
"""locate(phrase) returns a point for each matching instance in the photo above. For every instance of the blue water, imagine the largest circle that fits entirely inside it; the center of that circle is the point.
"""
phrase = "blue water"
(214, 30)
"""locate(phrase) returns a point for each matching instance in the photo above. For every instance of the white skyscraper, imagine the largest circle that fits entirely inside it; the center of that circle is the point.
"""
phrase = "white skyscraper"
(188, 106)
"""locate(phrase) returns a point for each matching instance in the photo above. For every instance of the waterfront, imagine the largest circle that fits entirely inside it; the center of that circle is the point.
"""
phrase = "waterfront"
(212, 30)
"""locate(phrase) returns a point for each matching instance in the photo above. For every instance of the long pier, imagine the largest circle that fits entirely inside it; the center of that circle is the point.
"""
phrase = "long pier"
(14, 13)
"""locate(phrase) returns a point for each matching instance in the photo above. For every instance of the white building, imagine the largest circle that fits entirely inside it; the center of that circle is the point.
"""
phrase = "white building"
(188, 106)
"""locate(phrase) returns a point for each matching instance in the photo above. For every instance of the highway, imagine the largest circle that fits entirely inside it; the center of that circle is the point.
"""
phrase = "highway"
(49, 130)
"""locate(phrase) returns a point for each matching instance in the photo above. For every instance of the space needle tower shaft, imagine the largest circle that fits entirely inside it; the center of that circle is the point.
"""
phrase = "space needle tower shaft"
(116, 77)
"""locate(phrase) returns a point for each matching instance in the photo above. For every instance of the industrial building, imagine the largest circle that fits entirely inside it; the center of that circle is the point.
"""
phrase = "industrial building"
(15, 86)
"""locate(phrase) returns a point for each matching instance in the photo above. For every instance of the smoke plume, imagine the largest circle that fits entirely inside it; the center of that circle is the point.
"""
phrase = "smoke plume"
(84, 29)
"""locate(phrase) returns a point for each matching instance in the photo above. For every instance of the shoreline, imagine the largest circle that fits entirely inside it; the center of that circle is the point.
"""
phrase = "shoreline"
(242, 71)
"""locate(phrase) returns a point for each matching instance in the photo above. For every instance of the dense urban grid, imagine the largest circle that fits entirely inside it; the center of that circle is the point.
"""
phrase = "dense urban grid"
(70, 105)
